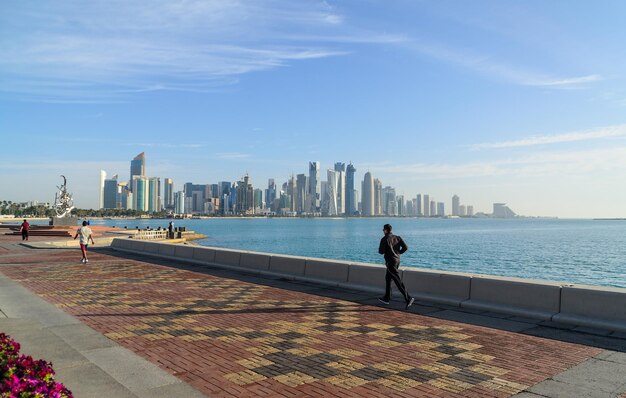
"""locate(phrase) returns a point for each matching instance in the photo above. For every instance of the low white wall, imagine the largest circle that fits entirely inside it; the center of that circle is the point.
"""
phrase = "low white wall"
(535, 299)
(577, 305)
(593, 306)
(439, 286)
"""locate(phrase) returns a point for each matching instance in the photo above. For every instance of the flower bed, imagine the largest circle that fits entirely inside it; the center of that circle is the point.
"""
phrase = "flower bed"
(23, 377)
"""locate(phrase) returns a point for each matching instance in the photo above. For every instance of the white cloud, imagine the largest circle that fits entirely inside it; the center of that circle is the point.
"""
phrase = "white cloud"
(595, 134)
(538, 164)
(105, 51)
(487, 66)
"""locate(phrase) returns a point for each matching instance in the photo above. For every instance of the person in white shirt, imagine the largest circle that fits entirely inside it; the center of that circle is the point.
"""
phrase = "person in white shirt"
(84, 233)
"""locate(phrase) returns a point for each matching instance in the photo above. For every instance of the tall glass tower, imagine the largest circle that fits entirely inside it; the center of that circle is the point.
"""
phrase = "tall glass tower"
(350, 202)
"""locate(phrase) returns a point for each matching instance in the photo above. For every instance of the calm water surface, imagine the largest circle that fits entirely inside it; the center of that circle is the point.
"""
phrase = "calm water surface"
(575, 251)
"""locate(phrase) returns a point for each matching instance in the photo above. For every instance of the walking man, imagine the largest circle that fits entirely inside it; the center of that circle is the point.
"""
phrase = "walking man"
(85, 235)
(392, 246)
(170, 230)
(24, 230)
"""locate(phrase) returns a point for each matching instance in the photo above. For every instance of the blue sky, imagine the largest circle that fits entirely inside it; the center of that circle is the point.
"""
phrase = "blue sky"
(496, 101)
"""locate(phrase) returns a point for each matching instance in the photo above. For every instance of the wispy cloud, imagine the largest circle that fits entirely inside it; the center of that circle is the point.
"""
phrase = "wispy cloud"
(595, 134)
(107, 51)
(492, 68)
(232, 155)
(534, 165)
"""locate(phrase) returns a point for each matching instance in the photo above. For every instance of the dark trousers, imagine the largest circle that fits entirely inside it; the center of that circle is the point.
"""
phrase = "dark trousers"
(392, 274)
(24, 235)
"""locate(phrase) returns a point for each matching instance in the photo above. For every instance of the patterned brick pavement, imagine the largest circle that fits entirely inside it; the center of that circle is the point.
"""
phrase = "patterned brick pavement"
(230, 338)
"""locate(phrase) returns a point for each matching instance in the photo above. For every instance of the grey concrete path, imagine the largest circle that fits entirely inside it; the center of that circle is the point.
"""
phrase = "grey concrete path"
(85, 361)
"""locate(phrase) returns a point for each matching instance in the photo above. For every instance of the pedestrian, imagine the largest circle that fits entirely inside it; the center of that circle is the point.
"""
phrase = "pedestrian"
(170, 230)
(85, 236)
(24, 230)
(392, 246)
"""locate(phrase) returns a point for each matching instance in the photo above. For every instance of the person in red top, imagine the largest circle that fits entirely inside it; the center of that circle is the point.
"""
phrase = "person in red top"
(24, 230)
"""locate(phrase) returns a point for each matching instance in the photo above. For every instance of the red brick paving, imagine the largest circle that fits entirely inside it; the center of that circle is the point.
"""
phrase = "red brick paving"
(231, 338)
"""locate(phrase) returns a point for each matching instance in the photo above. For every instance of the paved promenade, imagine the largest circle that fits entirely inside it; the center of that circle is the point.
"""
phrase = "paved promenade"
(232, 334)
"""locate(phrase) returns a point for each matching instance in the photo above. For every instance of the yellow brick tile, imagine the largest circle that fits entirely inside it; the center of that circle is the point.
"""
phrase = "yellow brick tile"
(383, 343)
(262, 350)
(345, 381)
(398, 383)
(381, 334)
(431, 355)
(346, 365)
(254, 362)
(489, 370)
(304, 351)
(391, 366)
(413, 327)
(294, 379)
(346, 325)
(448, 384)
(232, 339)
(307, 341)
(346, 333)
(465, 345)
(424, 344)
(244, 377)
(379, 326)
(456, 336)
(346, 353)
(448, 328)
(476, 356)
(506, 386)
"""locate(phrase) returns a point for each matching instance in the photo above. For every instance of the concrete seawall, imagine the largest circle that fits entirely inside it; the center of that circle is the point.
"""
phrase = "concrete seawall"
(581, 305)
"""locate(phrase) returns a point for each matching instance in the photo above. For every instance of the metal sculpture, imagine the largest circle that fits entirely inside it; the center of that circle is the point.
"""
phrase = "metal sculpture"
(63, 203)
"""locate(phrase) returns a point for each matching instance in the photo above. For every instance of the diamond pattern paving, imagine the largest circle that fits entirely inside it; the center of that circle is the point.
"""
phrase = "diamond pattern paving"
(231, 338)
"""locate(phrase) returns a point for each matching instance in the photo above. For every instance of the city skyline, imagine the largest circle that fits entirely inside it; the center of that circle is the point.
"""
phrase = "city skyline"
(519, 103)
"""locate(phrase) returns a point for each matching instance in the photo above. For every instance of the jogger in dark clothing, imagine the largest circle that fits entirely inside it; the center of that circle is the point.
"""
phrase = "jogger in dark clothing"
(392, 246)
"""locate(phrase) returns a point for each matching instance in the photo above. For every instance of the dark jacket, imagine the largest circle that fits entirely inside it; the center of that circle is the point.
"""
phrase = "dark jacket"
(392, 247)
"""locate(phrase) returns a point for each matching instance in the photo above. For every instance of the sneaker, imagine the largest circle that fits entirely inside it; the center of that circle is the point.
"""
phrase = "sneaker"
(383, 300)
(410, 303)
(82, 261)
(86, 261)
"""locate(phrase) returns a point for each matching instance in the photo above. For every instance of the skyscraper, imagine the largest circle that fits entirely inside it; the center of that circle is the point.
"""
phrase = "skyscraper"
(111, 190)
(138, 166)
(179, 202)
(301, 193)
(433, 208)
(378, 197)
(367, 200)
(140, 193)
(332, 189)
(154, 194)
(245, 196)
(456, 202)
(341, 187)
(350, 199)
(441, 211)
(390, 206)
(315, 186)
(418, 205)
(427, 205)
(270, 193)
(168, 193)
(103, 176)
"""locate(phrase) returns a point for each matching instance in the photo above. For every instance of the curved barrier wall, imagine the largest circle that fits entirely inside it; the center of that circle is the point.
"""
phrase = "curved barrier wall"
(574, 304)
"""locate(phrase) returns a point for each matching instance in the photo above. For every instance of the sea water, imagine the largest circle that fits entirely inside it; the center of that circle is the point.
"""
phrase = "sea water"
(573, 251)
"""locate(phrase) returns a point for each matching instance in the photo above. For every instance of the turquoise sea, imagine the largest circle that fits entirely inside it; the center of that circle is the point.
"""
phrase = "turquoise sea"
(573, 251)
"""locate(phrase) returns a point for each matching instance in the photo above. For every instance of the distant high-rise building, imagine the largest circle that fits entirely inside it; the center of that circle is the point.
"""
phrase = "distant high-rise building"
(367, 200)
(140, 193)
(433, 208)
(315, 186)
(410, 207)
(378, 197)
(111, 193)
(501, 210)
(154, 195)
(103, 176)
(341, 187)
(292, 190)
(462, 210)
(456, 202)
(138, 166)
(470, 211)
(332, 189)
(168, 193)
(441, 211)
(401, 205)
(427, 205)
(418, 205)
(302, 189)
(245, 196)
(270, 192)
(195, 197)
(179, 202)
(258, 199)
(351, 200)
(390, 205)
(125, 196)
